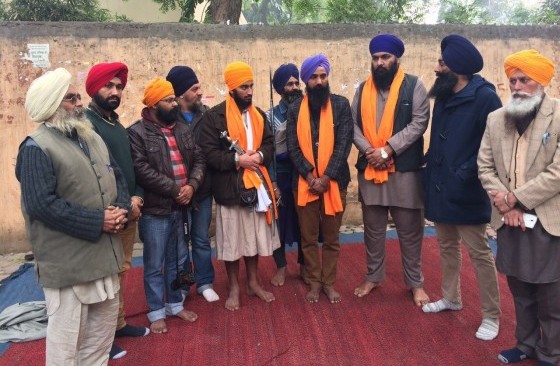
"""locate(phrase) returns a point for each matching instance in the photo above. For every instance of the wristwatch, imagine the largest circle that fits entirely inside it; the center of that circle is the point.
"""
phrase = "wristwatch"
(384, 154)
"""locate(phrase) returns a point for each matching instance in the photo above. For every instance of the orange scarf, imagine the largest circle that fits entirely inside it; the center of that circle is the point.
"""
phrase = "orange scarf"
(369, 121)
(236, 131)
(332, 200)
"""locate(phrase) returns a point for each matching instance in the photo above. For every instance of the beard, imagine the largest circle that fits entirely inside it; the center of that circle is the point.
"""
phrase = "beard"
(318, 97)
(443, 86)
(167, 117)
(291, 96)
(383, 78)
(242, 103)
(109, 104)
(522, 109)
(69, 121)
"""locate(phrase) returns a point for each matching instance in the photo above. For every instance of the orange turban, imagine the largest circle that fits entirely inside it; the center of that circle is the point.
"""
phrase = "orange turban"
(532, 64)
(237, 73)
(156, 90)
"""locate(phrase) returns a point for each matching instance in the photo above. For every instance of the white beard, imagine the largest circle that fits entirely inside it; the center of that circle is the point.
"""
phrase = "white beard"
(66, 122)
(521, 104)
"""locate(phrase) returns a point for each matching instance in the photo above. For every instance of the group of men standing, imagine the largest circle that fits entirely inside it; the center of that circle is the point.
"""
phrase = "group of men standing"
(281, 177)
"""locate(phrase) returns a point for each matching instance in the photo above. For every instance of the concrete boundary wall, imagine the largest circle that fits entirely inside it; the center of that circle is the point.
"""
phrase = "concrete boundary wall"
(150, 50)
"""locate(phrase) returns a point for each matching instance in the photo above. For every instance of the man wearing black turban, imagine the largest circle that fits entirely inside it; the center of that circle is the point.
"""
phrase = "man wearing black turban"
(455, 199)
(286, 83)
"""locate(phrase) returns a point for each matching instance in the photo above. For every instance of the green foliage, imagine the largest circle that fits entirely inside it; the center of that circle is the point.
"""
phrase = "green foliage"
(56, 10)
(187, 8)
(463, 12)
(386, 11)
(549, 13)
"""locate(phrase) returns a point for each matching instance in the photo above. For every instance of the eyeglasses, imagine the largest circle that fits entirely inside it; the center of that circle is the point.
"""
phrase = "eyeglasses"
(169, 100)
(72, 98)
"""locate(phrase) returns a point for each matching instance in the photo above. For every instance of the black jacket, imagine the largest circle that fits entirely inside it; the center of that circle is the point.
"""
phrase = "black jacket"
(152, 165)
(225, 177)
(343, 130)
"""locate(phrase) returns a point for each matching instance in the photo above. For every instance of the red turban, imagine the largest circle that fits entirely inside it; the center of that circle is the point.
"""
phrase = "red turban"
(99, 75)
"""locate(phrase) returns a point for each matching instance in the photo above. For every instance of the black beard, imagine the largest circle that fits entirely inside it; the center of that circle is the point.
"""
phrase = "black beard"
(242, 104)
(520, 123)
(109, 104)
(384, 78)
(291, 96)
(318, 97)
(443, 86)
(167, 117)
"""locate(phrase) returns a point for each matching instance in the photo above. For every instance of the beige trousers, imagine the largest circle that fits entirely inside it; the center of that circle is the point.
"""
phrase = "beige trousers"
(79, 334)
(128, 238)
(476, 241)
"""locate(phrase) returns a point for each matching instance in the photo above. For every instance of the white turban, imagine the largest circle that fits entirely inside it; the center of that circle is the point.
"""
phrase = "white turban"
(46, 93)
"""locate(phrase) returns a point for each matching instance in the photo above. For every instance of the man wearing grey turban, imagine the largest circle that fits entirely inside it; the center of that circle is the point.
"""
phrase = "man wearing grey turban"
(75, 202)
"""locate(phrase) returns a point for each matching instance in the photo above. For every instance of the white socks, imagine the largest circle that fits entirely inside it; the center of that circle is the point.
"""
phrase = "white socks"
(440, 305)
(488, 329)
(210, 295)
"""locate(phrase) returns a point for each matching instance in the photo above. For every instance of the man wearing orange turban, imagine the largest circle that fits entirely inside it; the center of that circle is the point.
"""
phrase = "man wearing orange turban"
(170, 167)
(105, 83)
(519, 166)
(240, 182)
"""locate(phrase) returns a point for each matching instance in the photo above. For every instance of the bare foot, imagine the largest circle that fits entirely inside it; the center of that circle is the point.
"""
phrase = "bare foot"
(158, 326)
(365, 288)
(257, 290)
(187, 315)
(313, 295)
(332, 294)
(279, 278)
(232, 302)
(420, 297)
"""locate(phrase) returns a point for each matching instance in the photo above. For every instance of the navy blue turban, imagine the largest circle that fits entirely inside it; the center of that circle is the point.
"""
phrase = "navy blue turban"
(182, 78)
(282, 75)
(310, 65)
(387, 43)
(460, 55)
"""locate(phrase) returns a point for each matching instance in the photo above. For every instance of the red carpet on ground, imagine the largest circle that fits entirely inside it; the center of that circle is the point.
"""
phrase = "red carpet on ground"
(383, 328)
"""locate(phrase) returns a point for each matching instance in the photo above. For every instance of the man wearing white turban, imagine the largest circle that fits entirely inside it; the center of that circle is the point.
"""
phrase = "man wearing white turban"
(75, 202)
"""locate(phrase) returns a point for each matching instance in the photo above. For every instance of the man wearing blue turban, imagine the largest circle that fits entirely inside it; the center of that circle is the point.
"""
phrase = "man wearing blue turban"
(391, 113)
(319, 136)
(286, 83)
(455, 200)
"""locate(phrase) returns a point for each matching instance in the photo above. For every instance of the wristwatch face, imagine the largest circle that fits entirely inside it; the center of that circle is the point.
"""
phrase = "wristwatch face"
(384, 154)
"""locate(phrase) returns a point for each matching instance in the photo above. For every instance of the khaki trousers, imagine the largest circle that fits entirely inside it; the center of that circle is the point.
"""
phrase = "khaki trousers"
(128, 238)
(320, 269)
(476, 241)
(410, 229)
(79, 334)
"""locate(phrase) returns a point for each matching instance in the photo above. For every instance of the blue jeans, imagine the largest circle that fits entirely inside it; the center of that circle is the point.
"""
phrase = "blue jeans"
(164, 244)
(199, 220)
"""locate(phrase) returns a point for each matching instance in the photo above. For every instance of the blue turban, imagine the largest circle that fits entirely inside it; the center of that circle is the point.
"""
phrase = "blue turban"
(460, 55)
(282, 75)
(182, 78)
(386, 43)
(310, 65)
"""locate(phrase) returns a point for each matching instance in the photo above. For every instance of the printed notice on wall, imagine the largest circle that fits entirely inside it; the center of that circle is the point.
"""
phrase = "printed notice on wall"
(38, 54)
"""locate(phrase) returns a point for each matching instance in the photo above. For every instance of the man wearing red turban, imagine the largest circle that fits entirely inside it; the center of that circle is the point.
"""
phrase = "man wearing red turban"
(519, 166)
(105, 83)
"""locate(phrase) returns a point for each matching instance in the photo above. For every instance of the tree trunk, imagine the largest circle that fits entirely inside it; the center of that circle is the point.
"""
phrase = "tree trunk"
(223, 10)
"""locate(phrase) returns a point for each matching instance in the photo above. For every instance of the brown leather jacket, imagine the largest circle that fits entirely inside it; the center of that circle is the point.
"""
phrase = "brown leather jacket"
(152, 165)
